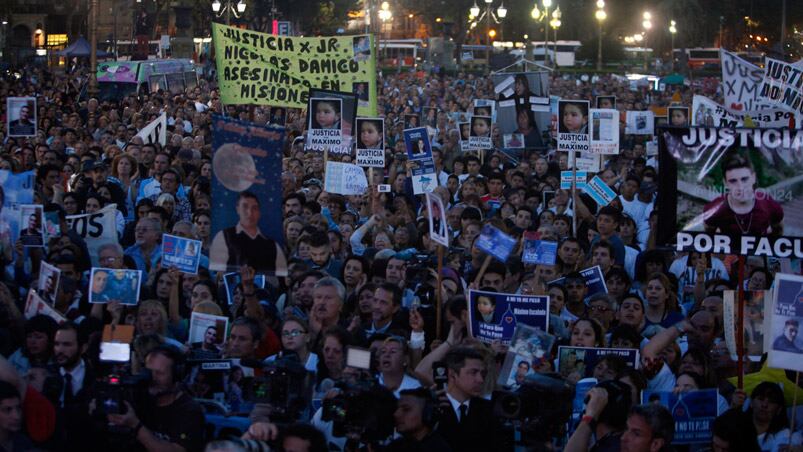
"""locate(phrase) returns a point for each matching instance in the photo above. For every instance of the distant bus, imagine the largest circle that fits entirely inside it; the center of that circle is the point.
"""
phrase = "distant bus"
(401, 52)
(563, 53)
(118, 79)
(699, 58)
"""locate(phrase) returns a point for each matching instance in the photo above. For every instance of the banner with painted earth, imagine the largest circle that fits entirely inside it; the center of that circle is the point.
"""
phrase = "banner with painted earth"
(265, 69)
(732, 190)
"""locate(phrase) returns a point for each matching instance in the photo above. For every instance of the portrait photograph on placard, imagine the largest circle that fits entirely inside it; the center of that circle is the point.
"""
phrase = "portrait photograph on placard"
(411, 121)
(21, 116)
(370, 133)
(207, 335)
(48, 284)
(723, 187)
(607, 102)
(678, 116)
(31, 223)
(430, 118)
(108, 284)
(523, 105)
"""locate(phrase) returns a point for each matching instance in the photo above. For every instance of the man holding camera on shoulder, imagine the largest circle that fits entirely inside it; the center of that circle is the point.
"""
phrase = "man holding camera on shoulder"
(170, 420)
(604, 419)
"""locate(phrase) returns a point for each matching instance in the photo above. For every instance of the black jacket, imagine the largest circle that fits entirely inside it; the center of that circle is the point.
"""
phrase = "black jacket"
(480, 431)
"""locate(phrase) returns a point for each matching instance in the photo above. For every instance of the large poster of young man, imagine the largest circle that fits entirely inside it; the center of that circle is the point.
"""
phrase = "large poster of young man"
(246, 156)
(731, 190)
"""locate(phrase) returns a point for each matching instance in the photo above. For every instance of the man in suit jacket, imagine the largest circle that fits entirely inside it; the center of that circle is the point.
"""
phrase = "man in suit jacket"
(74, 380)
(467, 422)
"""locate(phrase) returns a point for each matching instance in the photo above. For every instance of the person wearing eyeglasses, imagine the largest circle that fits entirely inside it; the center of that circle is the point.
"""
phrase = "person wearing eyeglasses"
(601, 308)
(295, 339)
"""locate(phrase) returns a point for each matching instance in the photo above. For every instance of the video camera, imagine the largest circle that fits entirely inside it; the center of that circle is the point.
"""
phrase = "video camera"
(540, 408)
(285, 385)
(362, 410)
(113, 390)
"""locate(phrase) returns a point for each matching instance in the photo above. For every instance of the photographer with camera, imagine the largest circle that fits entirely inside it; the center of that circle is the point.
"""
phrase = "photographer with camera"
(169, 419)
(416, 416)
(604, 419)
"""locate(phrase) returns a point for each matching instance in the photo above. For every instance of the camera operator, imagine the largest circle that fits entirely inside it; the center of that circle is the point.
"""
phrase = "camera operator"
(296, 437)
(170, 420)
(467, 422)
(604, 418)
(416, 416)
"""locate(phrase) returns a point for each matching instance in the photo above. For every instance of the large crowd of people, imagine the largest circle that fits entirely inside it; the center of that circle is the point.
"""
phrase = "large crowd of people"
(361, 276)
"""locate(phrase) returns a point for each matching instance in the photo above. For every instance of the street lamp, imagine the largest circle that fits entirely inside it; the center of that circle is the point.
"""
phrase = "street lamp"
(555, 24)
(547, 4)
(601, 15)
(475, 18)
(647, 24)
(672, 30)
(228, 8)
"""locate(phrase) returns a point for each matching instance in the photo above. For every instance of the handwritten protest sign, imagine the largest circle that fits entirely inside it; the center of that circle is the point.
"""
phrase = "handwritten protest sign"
(494, 316)
(96, 228)
(692, 411)
(740, 82)
(260, 68)
(184, 254)
(782, 85)
(155, 132)
(345, 179)
(706, 112)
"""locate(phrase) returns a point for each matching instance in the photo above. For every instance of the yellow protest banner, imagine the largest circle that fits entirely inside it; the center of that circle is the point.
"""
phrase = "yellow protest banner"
(260, 68)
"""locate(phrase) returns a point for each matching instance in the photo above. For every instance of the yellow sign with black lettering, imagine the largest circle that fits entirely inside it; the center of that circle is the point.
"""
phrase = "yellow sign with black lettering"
(261, 68)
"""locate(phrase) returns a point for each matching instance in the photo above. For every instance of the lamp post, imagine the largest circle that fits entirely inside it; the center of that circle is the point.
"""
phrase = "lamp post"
(555, 24)
(474, 18)
(547, 4)
(647, 24)
(228, 8)
(92, 89)
(672, 30)
(601, 15)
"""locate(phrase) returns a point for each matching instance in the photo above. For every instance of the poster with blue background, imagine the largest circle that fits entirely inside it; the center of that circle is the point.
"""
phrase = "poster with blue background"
(184, 254)
(15, 190)
(247, 164)
(495, 242)
(595, 281)
(693, 412)
(494, 316)
(419, 151)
